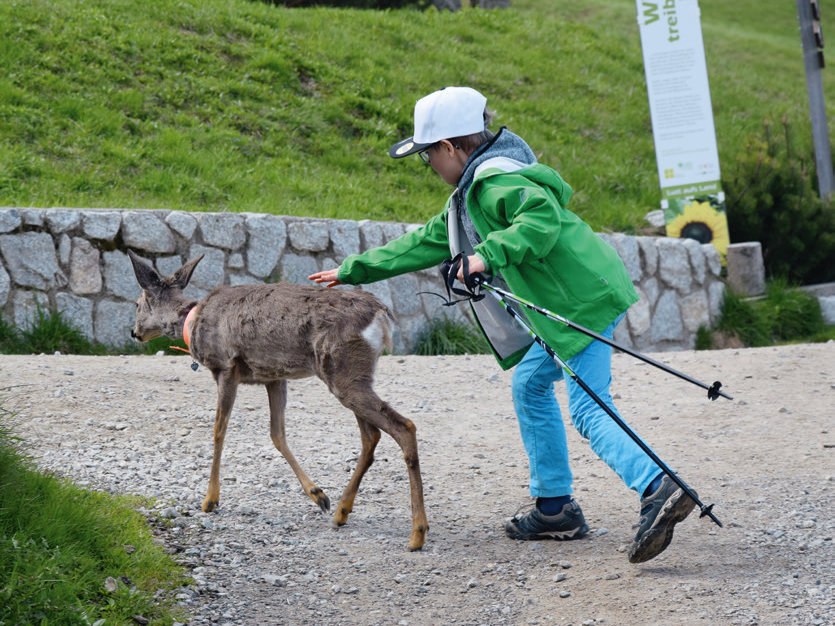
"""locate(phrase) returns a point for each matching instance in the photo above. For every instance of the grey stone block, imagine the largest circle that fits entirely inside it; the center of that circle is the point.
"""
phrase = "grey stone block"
(828, 309)
(712, 258)
(698, 264)
(381, 291)
(31, 261)
(113, 323)
(309, 236)
(9, 220)
(746, 272)
(716, 298)
(64, 249)
(25, 306)
(649, 252)
(371, 235)
(267, 239)
(295, 268)
(146, 230)
(666, 320)
(222, 230)
(167, 265)
(33, 217)
(695, 311)
(345, 238)
(210, 272)
(628, 250)
(182, 223)
(62, 220)
(674, 264)
(5, 285)
(244, 279)
(639, 315)
(102, 225)
(119, 279)
(85, 274)
(404, 295)
(392, 230)
(77, 312)
(650, 290)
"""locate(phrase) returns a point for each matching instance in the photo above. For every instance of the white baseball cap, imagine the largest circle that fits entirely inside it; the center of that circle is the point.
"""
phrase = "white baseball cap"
(450, 112)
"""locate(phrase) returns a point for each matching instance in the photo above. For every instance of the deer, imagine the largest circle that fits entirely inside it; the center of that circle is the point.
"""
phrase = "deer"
(267, 334)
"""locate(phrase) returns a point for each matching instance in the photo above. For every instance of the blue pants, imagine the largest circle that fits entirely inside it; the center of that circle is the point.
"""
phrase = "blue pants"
(543, 431)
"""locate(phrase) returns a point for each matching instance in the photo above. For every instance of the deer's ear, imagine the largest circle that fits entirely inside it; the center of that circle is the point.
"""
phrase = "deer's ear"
(181, 277)
(146, 275)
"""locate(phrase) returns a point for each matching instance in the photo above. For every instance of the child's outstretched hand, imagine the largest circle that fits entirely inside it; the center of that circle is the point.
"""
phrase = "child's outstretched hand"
(327, 276)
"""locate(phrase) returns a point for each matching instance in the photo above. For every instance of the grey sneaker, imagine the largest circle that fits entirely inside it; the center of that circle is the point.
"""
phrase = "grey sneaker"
(569, 523)
(660, 512)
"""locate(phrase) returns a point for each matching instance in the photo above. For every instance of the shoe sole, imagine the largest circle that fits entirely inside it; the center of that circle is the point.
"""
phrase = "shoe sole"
(558, 535)
(660, 534)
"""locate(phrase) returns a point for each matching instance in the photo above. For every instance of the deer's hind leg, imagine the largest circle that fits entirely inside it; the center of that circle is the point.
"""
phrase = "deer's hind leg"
(227, 389)
(277, 393)
(355, 392)
(370, 435)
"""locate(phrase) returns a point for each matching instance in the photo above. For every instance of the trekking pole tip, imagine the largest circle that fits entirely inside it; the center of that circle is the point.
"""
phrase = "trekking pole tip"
(708, 510)
(713, 391)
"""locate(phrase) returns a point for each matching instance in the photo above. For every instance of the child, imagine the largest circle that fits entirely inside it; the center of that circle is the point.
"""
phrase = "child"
(507, 214)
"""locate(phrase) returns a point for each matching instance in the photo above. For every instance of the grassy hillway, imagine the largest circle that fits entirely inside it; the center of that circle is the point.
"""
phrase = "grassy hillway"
(242, 106)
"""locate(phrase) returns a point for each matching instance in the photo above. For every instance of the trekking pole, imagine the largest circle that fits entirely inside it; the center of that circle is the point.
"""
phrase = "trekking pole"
(449, 270)
(705, 510)
(713, 391)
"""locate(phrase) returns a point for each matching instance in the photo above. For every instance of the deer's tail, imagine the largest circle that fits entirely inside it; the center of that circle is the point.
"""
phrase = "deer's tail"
(379, 332)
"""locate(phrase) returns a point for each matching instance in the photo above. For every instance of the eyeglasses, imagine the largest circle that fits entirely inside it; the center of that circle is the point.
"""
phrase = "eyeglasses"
(424, 154)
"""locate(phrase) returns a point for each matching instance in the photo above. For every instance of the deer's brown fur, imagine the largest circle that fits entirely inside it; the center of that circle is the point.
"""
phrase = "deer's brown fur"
(268, 334)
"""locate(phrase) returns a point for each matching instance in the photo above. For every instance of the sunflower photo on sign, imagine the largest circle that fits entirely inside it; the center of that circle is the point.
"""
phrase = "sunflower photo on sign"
(702, 218)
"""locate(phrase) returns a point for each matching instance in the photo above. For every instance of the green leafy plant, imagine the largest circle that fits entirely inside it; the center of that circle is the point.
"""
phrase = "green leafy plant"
(786, 313)
(795, 314)
(444, 335)
(704, 339)
(50, 333)
(771, 198)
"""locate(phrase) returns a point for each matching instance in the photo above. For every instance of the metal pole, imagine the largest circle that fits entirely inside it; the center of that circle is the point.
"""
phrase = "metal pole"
(713, 391)
(812, 40)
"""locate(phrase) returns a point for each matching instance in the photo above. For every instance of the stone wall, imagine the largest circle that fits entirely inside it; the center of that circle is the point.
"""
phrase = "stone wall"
(75, 261)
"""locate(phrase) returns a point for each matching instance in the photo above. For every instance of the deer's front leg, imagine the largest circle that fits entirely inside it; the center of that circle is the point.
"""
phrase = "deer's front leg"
(227, 389)
(277, 393)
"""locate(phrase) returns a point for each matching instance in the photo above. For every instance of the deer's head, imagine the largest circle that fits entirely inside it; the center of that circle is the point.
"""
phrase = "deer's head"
(162, 307)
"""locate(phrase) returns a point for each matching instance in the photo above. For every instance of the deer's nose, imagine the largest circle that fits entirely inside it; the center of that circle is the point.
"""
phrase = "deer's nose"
(134, 335)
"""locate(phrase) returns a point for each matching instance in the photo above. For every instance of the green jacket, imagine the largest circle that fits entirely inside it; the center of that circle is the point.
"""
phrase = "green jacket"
(545, 253)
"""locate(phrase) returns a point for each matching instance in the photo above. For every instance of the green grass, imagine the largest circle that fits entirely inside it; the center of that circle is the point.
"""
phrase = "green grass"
(443, 335)
(786, 314)
(242, 106)
(60, 543)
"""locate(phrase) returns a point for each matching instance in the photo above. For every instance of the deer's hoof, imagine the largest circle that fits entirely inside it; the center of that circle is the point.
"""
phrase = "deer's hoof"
(418, 538)
(341, 517)
(321, 499)
(209, 505)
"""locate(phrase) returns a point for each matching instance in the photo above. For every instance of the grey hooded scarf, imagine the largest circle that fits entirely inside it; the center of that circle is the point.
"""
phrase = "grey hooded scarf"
(505, 336)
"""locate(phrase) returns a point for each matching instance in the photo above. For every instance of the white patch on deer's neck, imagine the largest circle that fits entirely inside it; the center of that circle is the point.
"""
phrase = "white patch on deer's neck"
(375, 334)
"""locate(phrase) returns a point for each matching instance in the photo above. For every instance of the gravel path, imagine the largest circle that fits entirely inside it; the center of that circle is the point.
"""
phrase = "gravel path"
(268, 556)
